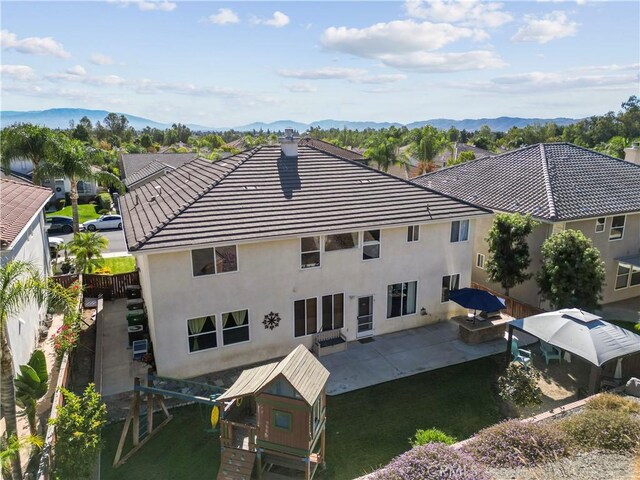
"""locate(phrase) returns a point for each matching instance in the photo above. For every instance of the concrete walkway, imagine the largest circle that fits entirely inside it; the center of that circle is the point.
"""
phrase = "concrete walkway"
(401, 354)
(627, 310)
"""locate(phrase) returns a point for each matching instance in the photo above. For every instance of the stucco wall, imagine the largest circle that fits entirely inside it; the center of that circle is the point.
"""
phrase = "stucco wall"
(270, 279)
(31, 246)
(611, 250)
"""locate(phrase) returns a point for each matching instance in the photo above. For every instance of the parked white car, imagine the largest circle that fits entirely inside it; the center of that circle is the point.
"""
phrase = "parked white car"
(105, 222)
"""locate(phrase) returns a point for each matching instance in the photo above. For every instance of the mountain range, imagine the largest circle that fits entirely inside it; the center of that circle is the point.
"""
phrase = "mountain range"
(60, 118)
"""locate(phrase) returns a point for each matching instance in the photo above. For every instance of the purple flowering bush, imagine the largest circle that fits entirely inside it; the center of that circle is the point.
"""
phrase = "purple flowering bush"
(612, 430)
(516, 444)
(434, 461)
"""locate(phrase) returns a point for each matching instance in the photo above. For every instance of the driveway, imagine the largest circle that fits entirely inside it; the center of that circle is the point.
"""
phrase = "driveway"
(115, 237)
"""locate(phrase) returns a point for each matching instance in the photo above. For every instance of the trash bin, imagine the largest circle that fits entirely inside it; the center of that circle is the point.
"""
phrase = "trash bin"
(133, 291)
(135, 317)
(135, 304)
(136, 332)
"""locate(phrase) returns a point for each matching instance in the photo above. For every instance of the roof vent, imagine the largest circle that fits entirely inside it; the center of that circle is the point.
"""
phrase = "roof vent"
(289, 143)
(158, 190)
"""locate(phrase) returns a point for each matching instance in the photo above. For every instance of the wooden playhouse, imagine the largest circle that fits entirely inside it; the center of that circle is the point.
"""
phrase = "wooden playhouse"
(274, 416)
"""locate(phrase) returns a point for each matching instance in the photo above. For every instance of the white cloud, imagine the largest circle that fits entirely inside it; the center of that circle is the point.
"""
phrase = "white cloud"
(278, 20)
(224, 16)
(77, 70)
(101, 59)
(147, 6)
(399, 36)
(33, 45)
(544, 29)
(578, 2)
(301, 88)
(467, 12)
(353, 75)
(19, 72)
(438, 62)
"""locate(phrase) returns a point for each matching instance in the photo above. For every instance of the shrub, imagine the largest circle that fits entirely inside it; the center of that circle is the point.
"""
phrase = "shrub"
(104, 211)
(593, 429)
(434, 461)
(515, 444)
(60, 203)
(104, 201)
(519, 385)
(67, 198)
(636, 327)
(432, 435)
(611, 401)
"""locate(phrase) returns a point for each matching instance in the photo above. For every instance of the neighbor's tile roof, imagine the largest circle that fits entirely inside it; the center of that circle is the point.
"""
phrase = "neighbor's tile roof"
(153, 168)
(551, 181)
(258, 194)
(332, 149)
(19, 202)
(133, 162)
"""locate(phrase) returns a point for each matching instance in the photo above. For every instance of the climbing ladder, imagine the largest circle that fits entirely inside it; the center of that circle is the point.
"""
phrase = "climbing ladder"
(236, 464)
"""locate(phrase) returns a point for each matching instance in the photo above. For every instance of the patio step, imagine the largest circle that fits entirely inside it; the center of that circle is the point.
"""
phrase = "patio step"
(236, 464)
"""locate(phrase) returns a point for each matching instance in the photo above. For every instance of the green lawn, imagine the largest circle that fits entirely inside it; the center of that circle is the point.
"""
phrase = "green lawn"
(85, 212)
(365, 428)
(120, 264)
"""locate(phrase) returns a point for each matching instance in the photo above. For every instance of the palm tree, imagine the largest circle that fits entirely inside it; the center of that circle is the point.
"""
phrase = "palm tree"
(87, 248)
(20, 283)
(72, 159)
(384, 149)
(11, 450)
(25, 140)
(427, 143)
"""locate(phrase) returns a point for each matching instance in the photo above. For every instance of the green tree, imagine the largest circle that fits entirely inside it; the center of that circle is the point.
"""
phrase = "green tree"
(72, 159)
(384, 150)
(572, 273)
(146, 141)
(20, 283)
(10, 450)
(78, 425)
(462, 158)
(426, 144)
(25, 140)
(87, 248)
(31, 385)
(519, 385)
(508, 249)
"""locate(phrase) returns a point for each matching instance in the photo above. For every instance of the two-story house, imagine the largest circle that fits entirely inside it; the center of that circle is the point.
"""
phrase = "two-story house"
(562, 186)
(245, 258)
(23, 237)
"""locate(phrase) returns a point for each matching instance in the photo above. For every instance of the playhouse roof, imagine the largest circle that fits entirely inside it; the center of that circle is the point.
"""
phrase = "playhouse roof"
(300, 368)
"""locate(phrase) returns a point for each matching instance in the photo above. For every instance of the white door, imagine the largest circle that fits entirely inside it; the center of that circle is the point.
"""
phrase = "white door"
(365, 316)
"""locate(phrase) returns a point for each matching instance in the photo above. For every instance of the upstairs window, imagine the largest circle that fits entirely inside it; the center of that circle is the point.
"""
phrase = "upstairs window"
(201, 333)
(401, 299)
(600, 224)
(305, 317)
(371, 244)
(459, 231)
(617, 228)
(235, 327)
(332, 311)
(627, 276)
(449, 283)
(413, 233)
(309, 252)
(340, 241)
(480, 261)
(209, 261)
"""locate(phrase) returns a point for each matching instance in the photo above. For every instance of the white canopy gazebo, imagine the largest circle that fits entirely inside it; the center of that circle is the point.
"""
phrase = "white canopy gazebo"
(580, 333)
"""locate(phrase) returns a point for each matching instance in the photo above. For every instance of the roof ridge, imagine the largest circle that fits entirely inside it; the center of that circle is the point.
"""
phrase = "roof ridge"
(547, 182)
(158, 228)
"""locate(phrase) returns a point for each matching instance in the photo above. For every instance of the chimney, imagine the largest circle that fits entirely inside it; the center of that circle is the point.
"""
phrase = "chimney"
(289, 143)
(632, 154)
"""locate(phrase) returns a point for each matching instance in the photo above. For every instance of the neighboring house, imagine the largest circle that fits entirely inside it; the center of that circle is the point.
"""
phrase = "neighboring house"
(562, 186)
(302, 241)
(136, 169)
(60, 186)
(412, 170)
(22, 237)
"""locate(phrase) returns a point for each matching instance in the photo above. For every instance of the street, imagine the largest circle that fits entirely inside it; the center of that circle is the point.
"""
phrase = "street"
(115, 237)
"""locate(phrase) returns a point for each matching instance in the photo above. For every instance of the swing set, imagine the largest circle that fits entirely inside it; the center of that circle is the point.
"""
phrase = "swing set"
(140, 417)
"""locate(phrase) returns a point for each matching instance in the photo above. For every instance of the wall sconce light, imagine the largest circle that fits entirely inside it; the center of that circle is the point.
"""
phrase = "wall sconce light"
(423, 311)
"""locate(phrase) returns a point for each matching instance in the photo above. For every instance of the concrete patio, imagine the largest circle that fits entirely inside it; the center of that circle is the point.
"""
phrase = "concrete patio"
(626, 310)
(401, 354)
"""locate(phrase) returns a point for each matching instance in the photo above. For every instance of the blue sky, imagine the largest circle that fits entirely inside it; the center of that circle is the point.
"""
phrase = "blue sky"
(231, 63)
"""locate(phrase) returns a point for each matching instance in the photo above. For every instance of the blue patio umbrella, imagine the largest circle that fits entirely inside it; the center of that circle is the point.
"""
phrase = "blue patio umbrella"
(477, 299)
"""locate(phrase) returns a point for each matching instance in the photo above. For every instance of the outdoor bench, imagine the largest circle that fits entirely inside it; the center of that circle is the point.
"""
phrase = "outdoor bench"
(328, 342)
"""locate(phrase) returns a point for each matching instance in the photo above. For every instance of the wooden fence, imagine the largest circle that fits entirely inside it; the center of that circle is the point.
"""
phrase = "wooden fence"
(110, 286)
(513, 307)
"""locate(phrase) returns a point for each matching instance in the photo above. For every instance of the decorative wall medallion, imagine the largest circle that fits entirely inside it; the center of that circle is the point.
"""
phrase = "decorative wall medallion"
(271, 321)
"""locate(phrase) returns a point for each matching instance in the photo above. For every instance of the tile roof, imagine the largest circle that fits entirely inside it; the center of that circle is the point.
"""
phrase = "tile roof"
(19, 202)
(153, 168)
(550, 181)
(332, 149)
(258, 194)
(133, 162)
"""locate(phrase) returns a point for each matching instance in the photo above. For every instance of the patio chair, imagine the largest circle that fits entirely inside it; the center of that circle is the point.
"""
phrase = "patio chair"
(549, 352)
(520, 355)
